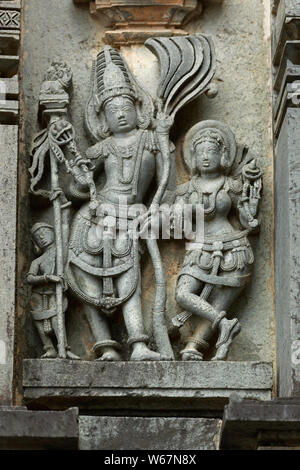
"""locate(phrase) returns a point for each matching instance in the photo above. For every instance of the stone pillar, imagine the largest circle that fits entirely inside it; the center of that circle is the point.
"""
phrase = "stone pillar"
(9, 60)
(286, 112)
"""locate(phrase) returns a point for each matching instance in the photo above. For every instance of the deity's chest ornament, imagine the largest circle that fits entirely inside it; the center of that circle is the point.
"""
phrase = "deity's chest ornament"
(128, 159)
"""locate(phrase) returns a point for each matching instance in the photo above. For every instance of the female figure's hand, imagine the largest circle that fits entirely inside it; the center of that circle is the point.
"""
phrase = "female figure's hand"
(254, 196)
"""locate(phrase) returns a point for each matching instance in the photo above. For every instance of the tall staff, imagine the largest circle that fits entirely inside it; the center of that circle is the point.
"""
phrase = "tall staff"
(53, 102)
(187, 68)
(59, 257)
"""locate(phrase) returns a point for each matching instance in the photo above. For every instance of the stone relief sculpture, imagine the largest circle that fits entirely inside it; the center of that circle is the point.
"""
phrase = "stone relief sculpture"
(215, 271)
(43, 278)
(133, 151)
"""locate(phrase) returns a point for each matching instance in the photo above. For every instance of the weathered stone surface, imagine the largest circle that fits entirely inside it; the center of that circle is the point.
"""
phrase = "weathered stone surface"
(9, 44)
(289, 58)
(10, 4)
(38, 430)
(56, 383)
(133, 22)
(9, 65)
(10, 21)
(8, 195)
(286, 74)
(233, 29)
(9, 112)
(287, 249)
(10, 88)
(133, 433)
(248, 424)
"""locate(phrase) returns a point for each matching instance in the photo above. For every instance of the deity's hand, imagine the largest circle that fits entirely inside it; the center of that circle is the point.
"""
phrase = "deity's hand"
(55, 279)
(82, 175)
(163, 123)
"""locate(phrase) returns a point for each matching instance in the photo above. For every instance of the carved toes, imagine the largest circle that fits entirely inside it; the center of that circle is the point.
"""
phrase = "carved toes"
(191, 355)
(49, 354)
(109, 356)
(145, 355)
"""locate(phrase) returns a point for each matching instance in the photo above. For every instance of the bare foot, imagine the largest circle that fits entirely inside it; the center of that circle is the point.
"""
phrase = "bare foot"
(142, 353)
(49, 354)
(109, 354)
(191, 355)
(229, 329)
(71, 355)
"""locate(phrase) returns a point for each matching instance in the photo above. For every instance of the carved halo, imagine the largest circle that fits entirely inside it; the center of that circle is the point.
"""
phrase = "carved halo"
(204, 127)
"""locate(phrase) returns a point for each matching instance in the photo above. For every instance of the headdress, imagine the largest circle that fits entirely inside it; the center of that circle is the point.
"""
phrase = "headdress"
(111, 77)
(211, 131)
(39, 225)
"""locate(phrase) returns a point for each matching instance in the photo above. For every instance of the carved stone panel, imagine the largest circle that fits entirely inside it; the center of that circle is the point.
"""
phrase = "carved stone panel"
(98, 132)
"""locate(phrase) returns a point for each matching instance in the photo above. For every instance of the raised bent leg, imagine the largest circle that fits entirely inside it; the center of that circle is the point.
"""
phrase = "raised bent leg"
(222, 299)
(187, 291)
(187, 296)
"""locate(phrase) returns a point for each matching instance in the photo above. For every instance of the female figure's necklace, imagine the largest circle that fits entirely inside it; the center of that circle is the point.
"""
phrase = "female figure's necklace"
(208, 198)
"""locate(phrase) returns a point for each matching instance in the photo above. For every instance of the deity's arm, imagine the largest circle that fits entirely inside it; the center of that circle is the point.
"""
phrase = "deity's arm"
(82, 179)
(180, 197)
(96, 154)
(169, 194)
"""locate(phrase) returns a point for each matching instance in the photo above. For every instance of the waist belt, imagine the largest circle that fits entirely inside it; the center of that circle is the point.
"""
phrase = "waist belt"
(100, 272)
(220, 245)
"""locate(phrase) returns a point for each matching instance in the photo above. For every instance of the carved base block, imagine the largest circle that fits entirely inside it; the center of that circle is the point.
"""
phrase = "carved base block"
(59, 383)
(249, 424)
(135, 433)
(21, 429)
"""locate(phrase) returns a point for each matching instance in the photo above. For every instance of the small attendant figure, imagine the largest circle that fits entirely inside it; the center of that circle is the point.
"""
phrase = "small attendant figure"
(42, 276)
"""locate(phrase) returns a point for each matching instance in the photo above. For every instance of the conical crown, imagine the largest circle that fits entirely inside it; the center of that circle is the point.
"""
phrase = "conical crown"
(111, 77)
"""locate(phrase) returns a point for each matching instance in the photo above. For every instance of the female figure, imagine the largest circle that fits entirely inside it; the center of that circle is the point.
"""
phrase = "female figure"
(215, 271)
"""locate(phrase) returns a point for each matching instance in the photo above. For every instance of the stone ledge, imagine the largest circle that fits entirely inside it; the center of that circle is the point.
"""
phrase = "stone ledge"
(38, 430)
(249, 424)
(8, 65)
(158, 433)
(10, 4)
(57, 384)
(9, 112)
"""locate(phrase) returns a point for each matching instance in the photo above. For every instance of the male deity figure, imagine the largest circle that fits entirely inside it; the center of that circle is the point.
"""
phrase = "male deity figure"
(132, 147)
(104, 272)
(43, 278)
